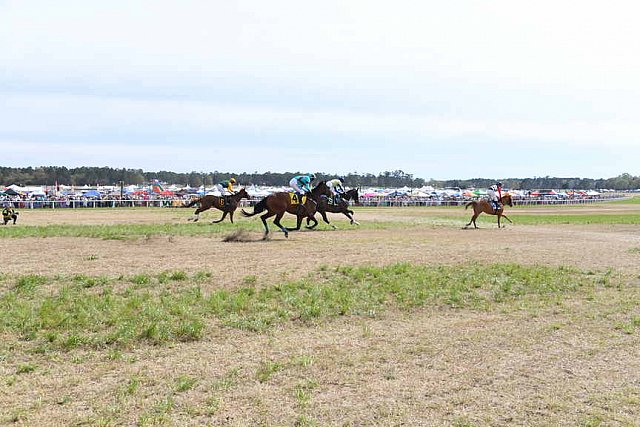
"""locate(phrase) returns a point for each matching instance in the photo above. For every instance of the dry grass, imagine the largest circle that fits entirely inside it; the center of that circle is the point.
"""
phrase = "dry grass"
(568, 361)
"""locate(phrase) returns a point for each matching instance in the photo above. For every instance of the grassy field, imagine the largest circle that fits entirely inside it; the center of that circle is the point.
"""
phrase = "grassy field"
(406, 320)
(62, 313)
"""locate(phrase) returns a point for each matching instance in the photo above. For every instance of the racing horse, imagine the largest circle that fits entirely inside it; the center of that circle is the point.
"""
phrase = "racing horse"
(227, 204)
(481, 206)
(338, 205)
(277, 204)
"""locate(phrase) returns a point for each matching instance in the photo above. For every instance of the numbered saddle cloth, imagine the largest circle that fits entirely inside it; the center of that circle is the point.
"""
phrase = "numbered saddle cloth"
(296, 199)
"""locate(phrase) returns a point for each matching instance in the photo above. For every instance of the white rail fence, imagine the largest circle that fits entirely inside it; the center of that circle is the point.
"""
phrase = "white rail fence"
(369, 201)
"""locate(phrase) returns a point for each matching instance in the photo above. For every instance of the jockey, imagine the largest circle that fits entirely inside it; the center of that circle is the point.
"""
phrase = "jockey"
(226, 187)
(335, 186)
(495, 195)
(301, 183)
(8, 214)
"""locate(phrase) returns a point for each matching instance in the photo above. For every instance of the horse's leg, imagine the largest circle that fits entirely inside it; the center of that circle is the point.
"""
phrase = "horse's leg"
(264, 221)
(196, 216)
(315, 222)
(507, 218)
(325, 219)
(276, 221)
(224, 214)
(349, 214)
(476, 214)
(298, 223)
(299, 219)
(499, 215)
(231, 216)
(472, 220)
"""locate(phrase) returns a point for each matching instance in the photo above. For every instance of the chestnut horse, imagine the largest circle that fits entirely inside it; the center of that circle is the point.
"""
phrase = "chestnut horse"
(279, 203)
(338, 205)
(227, 204)
(485, 206)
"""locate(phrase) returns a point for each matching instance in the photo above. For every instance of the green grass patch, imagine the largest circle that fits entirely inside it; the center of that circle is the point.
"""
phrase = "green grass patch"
(634, 200)
(574, 218)
(185, 383)
(126, 231)
(26, 368)
(267, 369)
(68, 314)
(458, 217)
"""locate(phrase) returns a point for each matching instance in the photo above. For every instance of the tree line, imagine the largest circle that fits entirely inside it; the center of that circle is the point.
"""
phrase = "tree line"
(92, 176)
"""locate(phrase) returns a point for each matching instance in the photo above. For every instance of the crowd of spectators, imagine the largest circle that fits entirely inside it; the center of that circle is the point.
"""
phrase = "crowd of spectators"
(31, 201)
(378, 197)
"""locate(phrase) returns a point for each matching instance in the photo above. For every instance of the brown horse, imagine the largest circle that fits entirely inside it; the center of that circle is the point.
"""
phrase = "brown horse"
(279, 203)
(337, 205)
(227, 204)
(485, 206)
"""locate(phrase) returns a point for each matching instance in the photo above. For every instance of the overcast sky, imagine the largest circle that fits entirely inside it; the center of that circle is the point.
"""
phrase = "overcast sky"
(438, 89)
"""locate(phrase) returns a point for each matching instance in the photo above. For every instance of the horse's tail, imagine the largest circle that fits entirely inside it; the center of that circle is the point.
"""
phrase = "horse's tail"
(472, 203)
(260, 207)
(193, 202)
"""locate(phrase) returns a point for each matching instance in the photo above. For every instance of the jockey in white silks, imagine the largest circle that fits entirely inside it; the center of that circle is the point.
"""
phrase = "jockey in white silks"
(494, 194)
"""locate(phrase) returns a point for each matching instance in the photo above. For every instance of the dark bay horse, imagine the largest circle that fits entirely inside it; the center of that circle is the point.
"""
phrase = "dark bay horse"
(227, 204)
(277, 204)
(337, 205)
(485, 206)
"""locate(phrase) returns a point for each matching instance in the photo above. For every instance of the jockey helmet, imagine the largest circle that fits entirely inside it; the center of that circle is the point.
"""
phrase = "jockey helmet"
(498, 184)
(341, 180)
(232, 180)
(312, 176)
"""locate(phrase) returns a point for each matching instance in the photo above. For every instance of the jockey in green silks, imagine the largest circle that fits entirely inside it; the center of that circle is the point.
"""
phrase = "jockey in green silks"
(301, 184)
